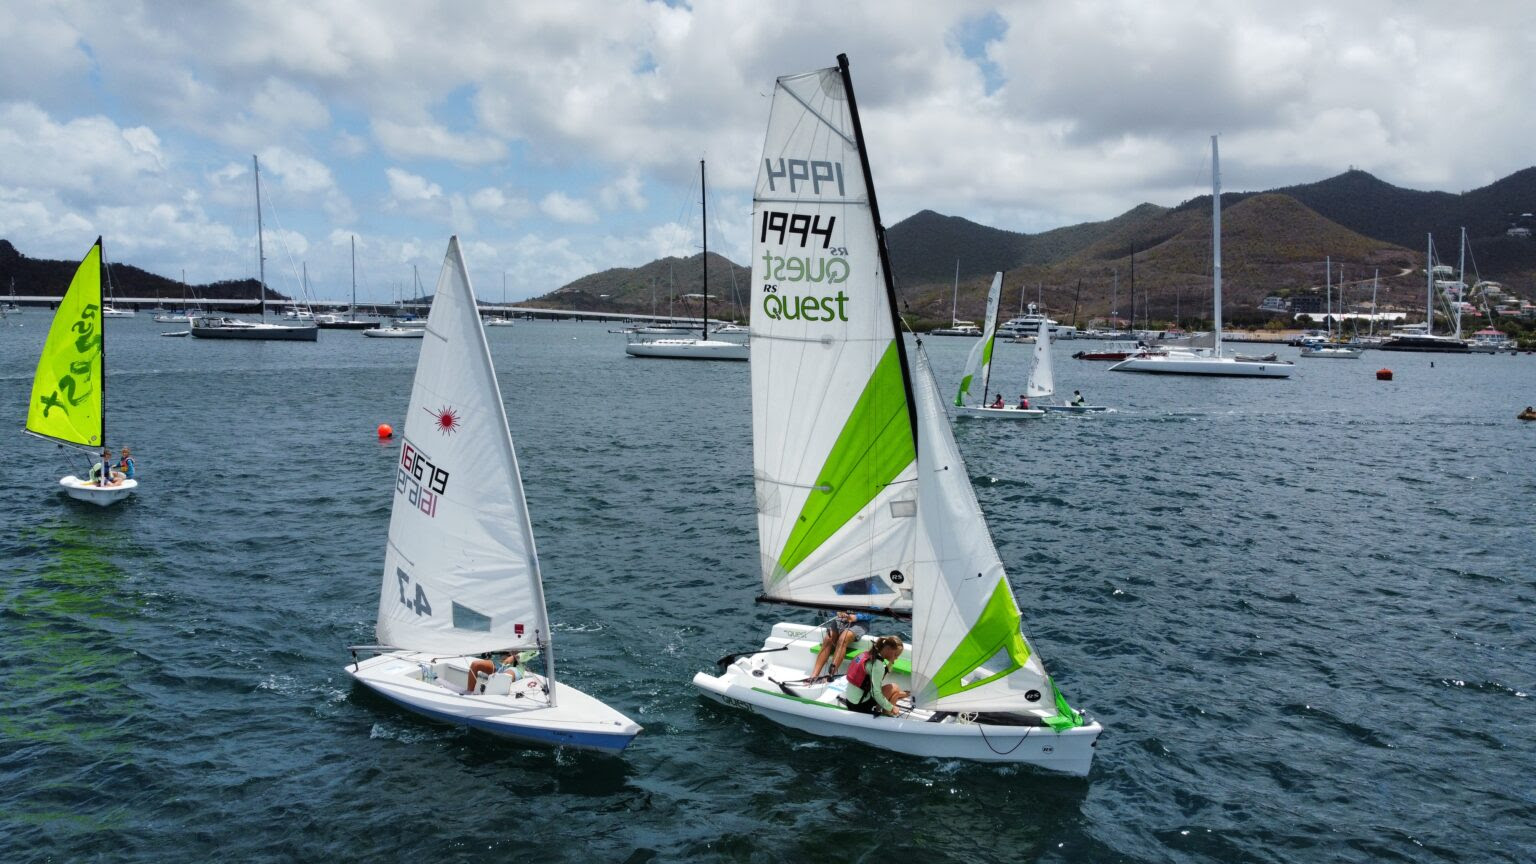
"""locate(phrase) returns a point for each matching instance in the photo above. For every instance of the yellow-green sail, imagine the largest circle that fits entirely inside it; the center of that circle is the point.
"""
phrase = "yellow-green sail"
(68, 395)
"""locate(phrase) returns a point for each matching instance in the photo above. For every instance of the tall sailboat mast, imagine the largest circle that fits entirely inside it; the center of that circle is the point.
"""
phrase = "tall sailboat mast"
(1328, 295)
(354, 277)
(954, 299)
(704, 232)
(1216, 239)
(1429, 287)
(261, 254)
(1461, 284)
(885, 254)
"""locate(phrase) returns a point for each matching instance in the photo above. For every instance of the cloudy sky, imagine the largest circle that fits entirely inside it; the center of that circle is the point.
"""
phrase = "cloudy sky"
(562, 138)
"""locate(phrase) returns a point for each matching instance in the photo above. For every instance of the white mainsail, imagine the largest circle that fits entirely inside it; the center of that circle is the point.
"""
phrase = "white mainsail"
(1042, 378)
(980, 359)
(461, 574)
(833, 448)
(964, 616)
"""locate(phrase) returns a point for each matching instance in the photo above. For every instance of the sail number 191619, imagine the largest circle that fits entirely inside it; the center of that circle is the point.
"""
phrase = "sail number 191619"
(419, 480)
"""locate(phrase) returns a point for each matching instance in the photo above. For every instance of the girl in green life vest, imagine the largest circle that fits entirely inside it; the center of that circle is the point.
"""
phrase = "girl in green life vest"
(868, 692)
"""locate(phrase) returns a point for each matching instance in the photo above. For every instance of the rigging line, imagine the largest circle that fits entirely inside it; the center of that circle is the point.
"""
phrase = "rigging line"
(818, 115)
(981, 727)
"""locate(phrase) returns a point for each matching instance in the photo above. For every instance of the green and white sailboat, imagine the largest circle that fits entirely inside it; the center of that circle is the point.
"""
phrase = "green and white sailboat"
(863, 500)
(979, 363)
(69, 389)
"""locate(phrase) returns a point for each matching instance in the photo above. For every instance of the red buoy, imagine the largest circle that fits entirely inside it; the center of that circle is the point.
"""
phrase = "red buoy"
(386, 431)
(1383, 374)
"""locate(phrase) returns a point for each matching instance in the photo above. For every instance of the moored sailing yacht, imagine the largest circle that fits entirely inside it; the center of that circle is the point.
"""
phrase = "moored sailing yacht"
(863, 501)
(687, 348)
(1208, 361)
(226, 327)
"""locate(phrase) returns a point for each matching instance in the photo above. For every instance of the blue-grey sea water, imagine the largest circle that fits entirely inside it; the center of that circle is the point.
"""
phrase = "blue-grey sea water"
(1302, 609)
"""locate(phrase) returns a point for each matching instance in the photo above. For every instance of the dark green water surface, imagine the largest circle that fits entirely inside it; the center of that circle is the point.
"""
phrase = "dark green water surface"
(1302, 609)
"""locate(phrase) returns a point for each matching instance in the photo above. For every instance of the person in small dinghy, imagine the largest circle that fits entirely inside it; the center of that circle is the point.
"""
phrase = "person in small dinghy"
(998, 402)
(1023, 402)
(512, 663)
(868, 692)
(125, 464)
(843, 630)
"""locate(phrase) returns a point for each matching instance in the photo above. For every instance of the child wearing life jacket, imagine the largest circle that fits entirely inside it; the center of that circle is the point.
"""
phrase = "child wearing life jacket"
(868, 692)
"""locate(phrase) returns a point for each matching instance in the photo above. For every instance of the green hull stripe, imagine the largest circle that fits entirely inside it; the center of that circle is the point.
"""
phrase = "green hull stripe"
(799, 699)
(875, 446)
(996, 629)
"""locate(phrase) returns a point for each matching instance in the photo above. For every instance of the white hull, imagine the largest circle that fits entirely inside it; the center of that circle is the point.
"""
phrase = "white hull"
(1076, 409)
(1332, 353)
(234, 328)
(750, 683)
(395, 333)
(102, 496)
(109, 312)
(1005, 413)
(687, 349)
(498, 322)
(173, 319)
(1192, 364)
(521, 711)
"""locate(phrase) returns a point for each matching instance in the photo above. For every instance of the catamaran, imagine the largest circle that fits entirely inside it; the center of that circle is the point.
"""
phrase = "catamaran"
(702, 348)
(1208, 361)
(69, 389)
(863, 500)
(979, 362)
(461, 574)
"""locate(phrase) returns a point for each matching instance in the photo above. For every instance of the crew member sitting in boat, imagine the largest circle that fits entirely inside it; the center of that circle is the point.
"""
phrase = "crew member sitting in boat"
(1023, 402)
(1077, 398)
(997, 403)
(843, 630)
(1528, 414)
(512, 663)
(102, 473)
(125, 464)
(868, 692)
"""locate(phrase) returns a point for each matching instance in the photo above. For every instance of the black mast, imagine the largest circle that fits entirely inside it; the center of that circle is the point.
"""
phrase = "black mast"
(885, 255)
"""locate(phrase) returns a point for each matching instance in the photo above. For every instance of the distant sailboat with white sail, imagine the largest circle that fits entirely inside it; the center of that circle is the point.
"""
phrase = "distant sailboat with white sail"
(979, 364)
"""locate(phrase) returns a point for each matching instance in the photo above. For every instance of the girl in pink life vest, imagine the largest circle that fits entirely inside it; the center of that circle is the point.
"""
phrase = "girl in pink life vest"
(868, 691)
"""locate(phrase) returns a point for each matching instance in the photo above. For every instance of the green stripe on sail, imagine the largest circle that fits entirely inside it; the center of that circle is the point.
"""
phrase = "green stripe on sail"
(1066, 716)
(965, 387)
(875, 446)
(66, 391)
(996, 630)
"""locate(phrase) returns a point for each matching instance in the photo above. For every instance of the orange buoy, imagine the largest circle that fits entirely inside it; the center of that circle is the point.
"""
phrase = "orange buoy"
(386, 431)
(1383, 374)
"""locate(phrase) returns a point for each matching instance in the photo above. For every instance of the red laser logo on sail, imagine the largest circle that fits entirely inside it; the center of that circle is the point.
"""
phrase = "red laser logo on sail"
(447, 419)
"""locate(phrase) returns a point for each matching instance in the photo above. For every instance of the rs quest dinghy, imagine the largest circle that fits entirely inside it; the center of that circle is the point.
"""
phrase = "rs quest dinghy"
(979, 362)
(69, 389)
(863, 501)
(461, 574)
